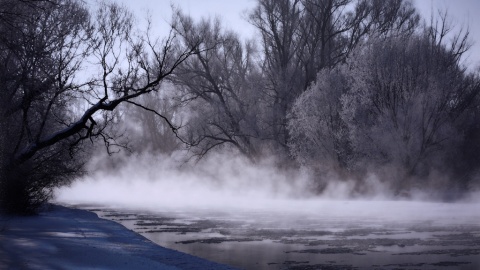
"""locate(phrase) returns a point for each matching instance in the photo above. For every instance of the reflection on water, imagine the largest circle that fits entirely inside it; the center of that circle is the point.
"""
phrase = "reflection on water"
(328, 235)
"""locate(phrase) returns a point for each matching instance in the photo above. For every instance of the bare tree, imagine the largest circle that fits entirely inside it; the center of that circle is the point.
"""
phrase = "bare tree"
(63, 73)
(219, 83)
(278, 23)
(149, 132)
(331, 29)
(323, 34)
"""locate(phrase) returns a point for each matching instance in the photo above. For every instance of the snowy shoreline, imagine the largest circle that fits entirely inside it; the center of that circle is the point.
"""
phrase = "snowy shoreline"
(66, 238)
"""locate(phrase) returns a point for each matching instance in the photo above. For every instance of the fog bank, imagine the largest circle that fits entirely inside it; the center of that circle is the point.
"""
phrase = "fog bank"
(226, 183)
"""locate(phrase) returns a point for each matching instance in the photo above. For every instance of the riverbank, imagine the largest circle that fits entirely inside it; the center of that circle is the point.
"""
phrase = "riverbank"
(65, 238)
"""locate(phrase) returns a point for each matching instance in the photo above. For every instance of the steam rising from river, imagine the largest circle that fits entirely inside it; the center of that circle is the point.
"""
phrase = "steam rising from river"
(226, 183)
(164, 181)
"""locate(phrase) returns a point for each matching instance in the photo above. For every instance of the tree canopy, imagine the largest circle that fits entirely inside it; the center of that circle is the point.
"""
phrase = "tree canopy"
(342, 88)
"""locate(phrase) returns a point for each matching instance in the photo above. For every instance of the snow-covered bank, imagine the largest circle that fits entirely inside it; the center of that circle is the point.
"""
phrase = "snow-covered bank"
(65, 238)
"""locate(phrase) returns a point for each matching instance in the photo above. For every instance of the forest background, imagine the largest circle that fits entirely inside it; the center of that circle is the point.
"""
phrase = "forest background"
(342, 89)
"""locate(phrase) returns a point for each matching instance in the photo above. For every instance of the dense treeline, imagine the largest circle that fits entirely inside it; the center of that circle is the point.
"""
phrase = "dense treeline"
(343, 88)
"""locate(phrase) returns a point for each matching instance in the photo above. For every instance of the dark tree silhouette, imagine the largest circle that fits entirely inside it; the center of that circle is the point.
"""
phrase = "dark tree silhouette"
(220, 84)
(63, 71)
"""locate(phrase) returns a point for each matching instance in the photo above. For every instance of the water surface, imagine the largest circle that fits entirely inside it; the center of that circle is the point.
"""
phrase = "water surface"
(316, 234)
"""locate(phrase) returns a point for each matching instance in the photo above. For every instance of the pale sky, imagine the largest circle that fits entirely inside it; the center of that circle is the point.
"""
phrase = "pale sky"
(462, 13)
(232, 13)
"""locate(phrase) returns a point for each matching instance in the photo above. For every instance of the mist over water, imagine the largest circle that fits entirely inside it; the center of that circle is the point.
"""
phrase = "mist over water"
(231, 183)
(154, 181)
(256, 216)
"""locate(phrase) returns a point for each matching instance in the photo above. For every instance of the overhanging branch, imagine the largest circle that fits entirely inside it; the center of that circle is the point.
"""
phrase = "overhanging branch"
(170, 125)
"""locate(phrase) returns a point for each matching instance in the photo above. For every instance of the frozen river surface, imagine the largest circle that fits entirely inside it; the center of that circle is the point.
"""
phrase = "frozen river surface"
(316, 234)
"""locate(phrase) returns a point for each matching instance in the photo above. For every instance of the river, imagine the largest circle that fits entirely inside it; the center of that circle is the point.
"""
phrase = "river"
(315, 234)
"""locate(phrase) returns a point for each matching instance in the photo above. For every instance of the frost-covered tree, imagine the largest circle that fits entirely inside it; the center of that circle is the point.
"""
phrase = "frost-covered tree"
(405, 97)
(299, 38)
(400, 101)
(319, 136)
